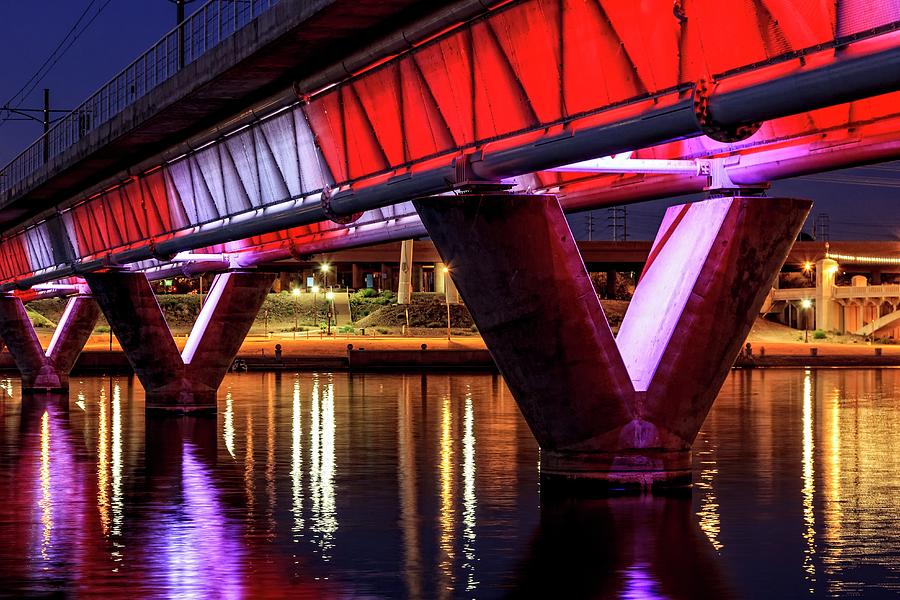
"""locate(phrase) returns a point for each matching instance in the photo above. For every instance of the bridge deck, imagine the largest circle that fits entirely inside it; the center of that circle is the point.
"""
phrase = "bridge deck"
(237, 58)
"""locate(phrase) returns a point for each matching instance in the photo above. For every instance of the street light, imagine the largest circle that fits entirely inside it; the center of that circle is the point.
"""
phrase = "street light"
(296, 293)
(806, 304)
(329, 296)
(807, 270)
(325, 267)
(315, 291)
(446, 271)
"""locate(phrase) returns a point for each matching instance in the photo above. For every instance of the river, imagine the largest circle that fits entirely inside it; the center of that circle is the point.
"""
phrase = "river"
(427, 486)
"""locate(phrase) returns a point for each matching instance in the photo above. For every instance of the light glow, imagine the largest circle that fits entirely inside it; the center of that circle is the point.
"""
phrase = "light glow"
(869, 260)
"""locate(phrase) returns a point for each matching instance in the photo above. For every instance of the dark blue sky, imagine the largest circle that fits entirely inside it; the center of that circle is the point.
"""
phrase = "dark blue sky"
(860, 202)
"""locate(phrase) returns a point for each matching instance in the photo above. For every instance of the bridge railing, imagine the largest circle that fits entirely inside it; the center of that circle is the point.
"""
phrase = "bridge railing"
(868, 291)
(793, 293)
(203, 30)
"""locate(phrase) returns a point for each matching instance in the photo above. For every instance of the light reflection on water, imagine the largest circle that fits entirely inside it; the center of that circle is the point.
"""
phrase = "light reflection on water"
(331, 485)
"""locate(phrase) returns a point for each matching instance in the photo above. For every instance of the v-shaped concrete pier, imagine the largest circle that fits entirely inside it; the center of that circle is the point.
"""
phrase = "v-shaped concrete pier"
(186, 381)
(47, 370)
(622, 411)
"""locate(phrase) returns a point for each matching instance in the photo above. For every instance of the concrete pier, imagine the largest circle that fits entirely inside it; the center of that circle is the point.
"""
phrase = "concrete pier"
(187, 381)
(47, 370)
(619, 412)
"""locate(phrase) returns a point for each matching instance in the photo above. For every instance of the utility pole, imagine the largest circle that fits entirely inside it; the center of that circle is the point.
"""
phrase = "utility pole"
(31, 114)
(618, 223)
(179, 22)
(822, 227)
(179, 18)
(46, 124)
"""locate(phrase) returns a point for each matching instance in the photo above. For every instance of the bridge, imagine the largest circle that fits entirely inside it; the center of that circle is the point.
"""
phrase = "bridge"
(283, 132)
(859, 308)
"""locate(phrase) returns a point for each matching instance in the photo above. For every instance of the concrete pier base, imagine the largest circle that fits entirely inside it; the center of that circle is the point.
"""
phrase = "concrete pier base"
(617, 411)
(185, 382)
(634, 469)
(47, 370)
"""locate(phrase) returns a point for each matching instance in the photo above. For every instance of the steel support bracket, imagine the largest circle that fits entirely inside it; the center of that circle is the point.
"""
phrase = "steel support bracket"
(719, 184)
(466, 181)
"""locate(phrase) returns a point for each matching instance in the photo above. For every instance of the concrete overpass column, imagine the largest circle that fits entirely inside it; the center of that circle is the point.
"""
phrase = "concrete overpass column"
(622, 413)
(187, 381)
(48, 370)
(611, 285)
(404, 288)
(440, 277)
(827, 309)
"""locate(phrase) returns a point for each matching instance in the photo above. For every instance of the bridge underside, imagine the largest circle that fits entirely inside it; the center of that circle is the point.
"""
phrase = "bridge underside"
(503, 96)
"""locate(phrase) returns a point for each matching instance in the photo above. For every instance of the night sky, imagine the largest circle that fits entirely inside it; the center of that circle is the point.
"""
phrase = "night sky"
(858, 201)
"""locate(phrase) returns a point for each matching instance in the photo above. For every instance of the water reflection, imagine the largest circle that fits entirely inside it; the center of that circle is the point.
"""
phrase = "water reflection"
(809, 484)
(409, 498)
(446, 519)
(46, 501)
(627, 547)
(469, 499)
(710, 520)
(427, 486)
(296, 463)
(322, 465)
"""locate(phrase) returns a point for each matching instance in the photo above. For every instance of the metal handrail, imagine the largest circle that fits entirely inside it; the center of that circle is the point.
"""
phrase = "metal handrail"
(203, 30)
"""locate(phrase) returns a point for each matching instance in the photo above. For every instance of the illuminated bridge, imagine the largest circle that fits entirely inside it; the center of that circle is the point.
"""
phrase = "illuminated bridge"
(304, 126)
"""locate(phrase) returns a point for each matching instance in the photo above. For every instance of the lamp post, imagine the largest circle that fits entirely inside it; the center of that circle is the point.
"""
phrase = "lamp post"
(296, 293)
(329, 296)
(806, 304)
(325, 268)
(446, 271)
(315, 291)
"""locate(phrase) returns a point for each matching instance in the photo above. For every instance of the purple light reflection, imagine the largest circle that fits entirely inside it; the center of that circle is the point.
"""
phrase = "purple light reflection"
(200, 554)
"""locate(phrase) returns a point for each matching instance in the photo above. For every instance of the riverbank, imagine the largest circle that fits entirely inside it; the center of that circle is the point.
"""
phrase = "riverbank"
(384, 352)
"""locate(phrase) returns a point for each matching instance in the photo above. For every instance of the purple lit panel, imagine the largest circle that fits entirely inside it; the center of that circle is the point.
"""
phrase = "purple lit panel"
(679, 252)
(209, 308)
(60, 327)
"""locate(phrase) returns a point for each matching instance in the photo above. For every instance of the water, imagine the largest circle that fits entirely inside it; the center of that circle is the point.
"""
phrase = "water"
(333, 486)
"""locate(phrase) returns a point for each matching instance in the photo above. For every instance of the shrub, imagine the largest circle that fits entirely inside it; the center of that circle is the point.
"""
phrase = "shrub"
(818, 334)
(102, 329)
(346, 329)
(38, 320)
(432, 324)
(382, 330)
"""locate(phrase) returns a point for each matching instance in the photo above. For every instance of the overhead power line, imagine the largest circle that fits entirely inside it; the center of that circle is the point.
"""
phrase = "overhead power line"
(75, 32)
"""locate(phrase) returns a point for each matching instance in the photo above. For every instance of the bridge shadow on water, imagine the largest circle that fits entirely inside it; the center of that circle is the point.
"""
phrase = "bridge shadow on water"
(620, 547)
